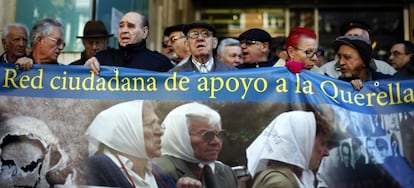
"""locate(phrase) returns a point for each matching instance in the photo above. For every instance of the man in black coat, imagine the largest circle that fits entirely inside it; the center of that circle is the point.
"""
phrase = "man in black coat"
(132, 53)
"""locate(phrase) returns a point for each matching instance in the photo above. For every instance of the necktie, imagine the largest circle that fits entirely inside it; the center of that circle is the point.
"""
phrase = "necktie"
(209, 179)
(203, 68)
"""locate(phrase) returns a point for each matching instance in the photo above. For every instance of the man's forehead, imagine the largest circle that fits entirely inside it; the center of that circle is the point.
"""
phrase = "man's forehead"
(397, 46)
(133, 18)
(95, 39)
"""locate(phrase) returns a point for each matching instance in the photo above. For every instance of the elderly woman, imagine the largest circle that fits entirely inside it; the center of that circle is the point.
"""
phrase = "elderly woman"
(191, 145)
(123, 139)
(288, 150)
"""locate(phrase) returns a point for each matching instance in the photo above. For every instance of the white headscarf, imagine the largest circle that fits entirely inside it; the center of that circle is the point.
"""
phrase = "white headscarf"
(176, 139)
(289, 138)
(119, 127)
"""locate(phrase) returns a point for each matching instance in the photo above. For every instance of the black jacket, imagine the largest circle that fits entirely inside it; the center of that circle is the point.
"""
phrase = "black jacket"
(406, 71)
(135, 56)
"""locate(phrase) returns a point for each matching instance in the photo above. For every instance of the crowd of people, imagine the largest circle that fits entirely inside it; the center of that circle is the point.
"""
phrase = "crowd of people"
(195, 47)
(135, 150)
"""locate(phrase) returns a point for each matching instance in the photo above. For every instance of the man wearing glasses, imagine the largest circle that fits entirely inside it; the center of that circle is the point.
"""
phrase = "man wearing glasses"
(255, 44)
(201, 41)
(191, 144)
(176, 41)
(47, 42)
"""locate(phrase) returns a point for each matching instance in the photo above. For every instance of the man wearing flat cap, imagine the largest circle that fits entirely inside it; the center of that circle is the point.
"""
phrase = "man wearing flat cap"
(201, 41)
(354, 55)
(256, 52)
(355, 28)
(177, 43)
(94, 39)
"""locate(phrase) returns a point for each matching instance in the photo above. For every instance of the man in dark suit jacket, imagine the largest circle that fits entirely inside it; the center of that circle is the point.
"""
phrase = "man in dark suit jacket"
(201, 41)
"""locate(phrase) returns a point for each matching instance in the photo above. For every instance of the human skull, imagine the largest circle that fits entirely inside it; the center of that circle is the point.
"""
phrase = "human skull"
(28, 150)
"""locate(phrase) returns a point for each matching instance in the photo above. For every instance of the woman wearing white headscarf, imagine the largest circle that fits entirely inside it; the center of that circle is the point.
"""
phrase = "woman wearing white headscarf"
(122, 141)
(191, 144)
(287, 151)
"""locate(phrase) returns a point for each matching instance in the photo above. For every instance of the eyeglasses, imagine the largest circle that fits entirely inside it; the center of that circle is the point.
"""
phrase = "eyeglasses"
(58, 42)
(195, 34)
(175, 38)
(249, 42)
(309, 52)
(208, 136)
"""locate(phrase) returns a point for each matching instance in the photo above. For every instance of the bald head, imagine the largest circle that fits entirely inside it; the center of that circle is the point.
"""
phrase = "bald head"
(359, 32)
(133, 28)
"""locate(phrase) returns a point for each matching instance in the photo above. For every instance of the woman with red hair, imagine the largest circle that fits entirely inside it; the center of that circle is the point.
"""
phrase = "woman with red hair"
(301, 47)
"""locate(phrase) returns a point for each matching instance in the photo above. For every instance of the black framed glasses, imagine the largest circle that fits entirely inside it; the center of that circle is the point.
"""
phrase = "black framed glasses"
(195, 34)
(249, 42)
(57, 42)
(208, 136)
(308, 52)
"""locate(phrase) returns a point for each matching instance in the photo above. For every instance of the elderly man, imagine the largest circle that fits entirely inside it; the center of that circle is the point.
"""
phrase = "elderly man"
(354, 55)
(401, 58)
(95, 39)
(14, 40)
(356, 28)
(201, 41)
(177, 42)
(191, 144)
(47, 41)
(132, 53)
(229, 52)
(255, 45)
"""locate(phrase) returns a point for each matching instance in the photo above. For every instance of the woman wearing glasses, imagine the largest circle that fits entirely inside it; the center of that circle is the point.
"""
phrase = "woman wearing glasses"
(191, 144)
(302, 48)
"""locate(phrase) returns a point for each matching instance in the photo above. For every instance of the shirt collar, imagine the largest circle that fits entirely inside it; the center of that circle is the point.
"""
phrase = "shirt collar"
(148, 181)
(212, 166)
(209, 64)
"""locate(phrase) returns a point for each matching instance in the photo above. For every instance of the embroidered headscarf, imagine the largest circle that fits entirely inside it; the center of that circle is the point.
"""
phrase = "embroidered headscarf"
(289, 138)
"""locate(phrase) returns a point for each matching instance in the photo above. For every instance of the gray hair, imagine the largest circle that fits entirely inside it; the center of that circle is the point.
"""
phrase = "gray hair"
(7, 27)
(43, 28)
(227, 42)
(203, 112)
